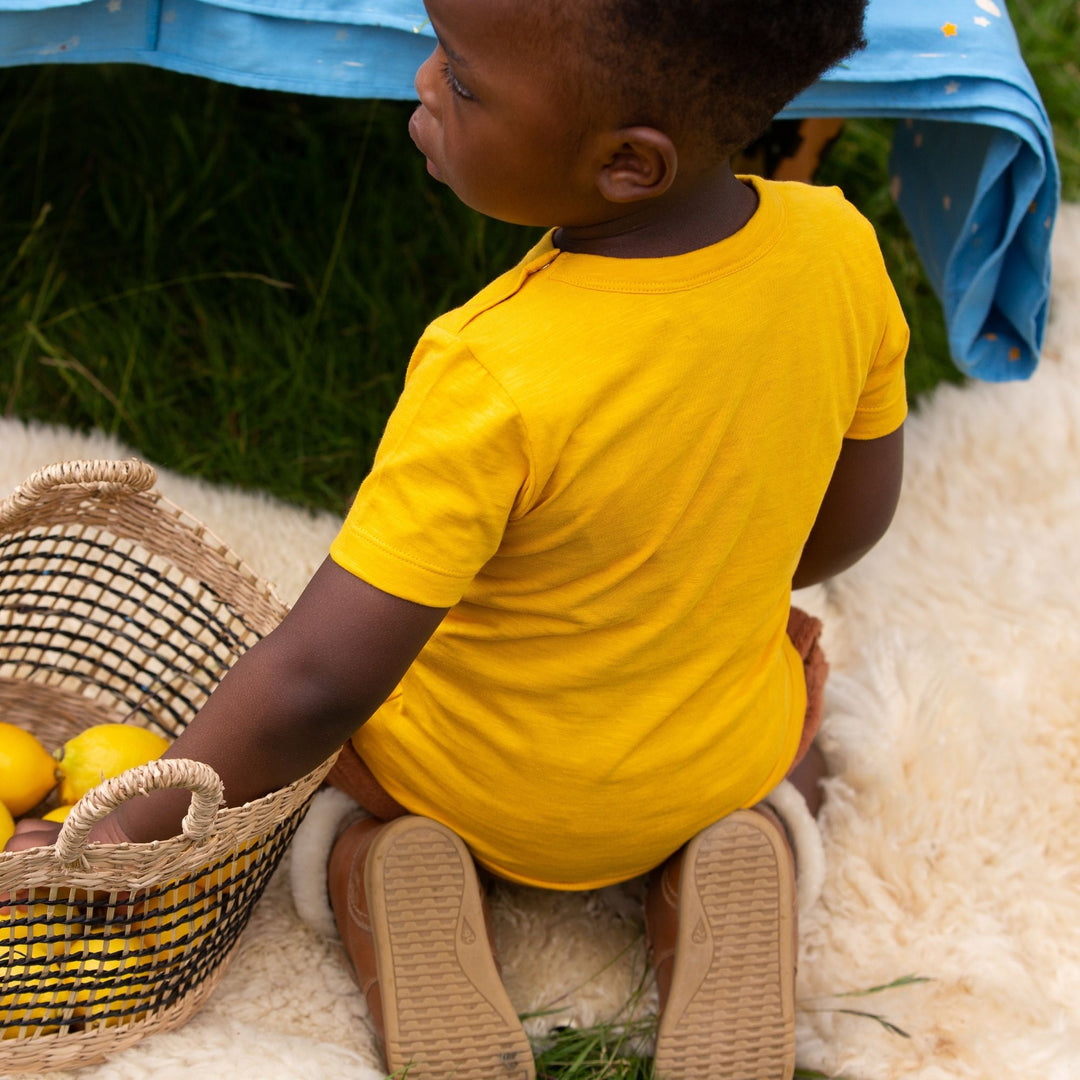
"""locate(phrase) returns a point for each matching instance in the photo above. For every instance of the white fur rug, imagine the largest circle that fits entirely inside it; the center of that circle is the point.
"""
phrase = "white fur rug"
(952, 826)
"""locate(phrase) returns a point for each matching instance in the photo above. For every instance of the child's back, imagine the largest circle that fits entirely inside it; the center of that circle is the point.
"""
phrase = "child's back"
(607, 469)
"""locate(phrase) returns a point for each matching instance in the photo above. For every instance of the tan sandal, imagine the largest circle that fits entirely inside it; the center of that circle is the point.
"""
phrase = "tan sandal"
(722, 922)
(420, 923)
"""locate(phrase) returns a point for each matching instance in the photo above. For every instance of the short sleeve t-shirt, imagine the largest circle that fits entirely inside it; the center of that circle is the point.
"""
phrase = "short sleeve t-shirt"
(607, 469)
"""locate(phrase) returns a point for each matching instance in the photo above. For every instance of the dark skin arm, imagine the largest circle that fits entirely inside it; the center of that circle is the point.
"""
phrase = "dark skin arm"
(858, 506)
(287, 704)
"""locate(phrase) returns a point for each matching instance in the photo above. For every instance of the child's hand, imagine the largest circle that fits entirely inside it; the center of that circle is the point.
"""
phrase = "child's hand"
(32, 833)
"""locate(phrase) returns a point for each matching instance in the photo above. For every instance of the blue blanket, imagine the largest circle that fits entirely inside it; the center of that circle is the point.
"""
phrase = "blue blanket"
(973, 163)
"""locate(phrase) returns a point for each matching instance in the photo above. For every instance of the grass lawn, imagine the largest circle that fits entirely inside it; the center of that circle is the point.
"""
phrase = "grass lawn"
(232, 281)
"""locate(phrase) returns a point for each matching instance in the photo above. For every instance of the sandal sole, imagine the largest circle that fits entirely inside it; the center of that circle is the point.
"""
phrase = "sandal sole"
(730, 1014)
(446, 1013)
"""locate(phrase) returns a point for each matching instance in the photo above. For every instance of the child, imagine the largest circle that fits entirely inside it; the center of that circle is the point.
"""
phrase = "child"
(554, 632)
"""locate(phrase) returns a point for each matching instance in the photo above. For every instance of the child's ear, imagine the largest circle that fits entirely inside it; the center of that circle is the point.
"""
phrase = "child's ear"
(637, 163)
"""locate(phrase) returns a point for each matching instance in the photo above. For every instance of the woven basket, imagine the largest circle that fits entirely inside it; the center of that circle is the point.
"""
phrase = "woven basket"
(116, 606)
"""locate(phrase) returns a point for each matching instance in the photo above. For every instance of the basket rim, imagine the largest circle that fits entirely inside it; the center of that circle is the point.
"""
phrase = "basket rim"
(126, 477)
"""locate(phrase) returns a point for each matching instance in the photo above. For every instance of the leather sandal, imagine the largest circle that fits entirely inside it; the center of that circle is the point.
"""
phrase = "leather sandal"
(721, 920)
(413, 922)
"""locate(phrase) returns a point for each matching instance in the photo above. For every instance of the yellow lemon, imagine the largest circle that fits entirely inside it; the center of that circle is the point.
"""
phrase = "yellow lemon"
(102, 752)
(101, 973)
(59, 814)
(32, 994)
(180, 920)
(95, 956)
(91, 981)
(7, 825)
(27, 771)
(32, 990)
(177, 920)
(20, 923)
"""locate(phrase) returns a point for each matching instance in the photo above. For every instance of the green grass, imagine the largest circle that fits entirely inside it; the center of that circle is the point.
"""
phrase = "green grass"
(232, 281)
(613, 1051)
(606, 1052)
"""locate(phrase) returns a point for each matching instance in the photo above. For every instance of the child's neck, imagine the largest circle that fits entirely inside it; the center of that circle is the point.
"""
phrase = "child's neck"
(710, 210)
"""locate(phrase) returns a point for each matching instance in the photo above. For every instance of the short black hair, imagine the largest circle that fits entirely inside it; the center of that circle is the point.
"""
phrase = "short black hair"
(723, 68)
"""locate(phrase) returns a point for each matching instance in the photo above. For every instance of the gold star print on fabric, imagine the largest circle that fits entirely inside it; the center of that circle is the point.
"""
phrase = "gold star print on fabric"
(949, 29)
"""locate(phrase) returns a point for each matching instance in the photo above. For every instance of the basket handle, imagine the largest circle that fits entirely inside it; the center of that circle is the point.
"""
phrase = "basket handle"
(130, 475)
(207, 794)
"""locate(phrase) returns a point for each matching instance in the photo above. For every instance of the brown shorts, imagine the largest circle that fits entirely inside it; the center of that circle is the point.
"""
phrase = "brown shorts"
(351, 774)
(805, 633)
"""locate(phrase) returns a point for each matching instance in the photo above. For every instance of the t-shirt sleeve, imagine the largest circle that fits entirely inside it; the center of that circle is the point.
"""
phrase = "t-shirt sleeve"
(882, 405)
(450, 468)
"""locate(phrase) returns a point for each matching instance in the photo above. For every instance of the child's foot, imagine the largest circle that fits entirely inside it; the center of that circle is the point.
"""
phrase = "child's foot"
(411, 916)
(721, 918)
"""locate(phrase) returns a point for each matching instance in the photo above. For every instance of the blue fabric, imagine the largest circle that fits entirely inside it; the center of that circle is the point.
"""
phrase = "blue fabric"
(333, 47)
(973, 163)
(973, 166)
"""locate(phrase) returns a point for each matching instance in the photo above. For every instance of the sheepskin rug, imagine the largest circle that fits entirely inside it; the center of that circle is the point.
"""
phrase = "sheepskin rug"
(951, 831)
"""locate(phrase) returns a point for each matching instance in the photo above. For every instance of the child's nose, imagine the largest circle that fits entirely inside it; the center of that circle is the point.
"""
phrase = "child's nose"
(427, 82)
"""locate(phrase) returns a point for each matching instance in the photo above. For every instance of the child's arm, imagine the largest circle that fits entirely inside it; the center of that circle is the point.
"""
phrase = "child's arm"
(291, 700)
(857, 509)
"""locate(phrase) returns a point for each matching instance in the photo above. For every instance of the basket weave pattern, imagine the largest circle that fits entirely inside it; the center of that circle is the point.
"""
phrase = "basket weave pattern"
(117, 607)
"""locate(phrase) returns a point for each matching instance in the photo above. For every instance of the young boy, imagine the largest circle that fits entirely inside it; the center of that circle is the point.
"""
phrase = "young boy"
(555, 633)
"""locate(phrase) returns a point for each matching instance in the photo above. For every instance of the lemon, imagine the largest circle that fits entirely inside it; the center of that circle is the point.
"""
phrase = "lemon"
(59, 814)
(27, 771)
(102, 752)
(15, 935)
(7, 825)
(177, 921)
(18, 924)
(32, 989)
(90, 981)
(101, 971)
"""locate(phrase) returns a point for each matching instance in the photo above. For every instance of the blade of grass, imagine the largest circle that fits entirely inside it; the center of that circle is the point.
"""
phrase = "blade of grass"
(339, 234)
(158, 286)
(888, 1025)
(70, 364)
(904, 980)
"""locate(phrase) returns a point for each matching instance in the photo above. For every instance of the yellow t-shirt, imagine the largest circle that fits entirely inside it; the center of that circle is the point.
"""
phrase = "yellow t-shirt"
(608, 468)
